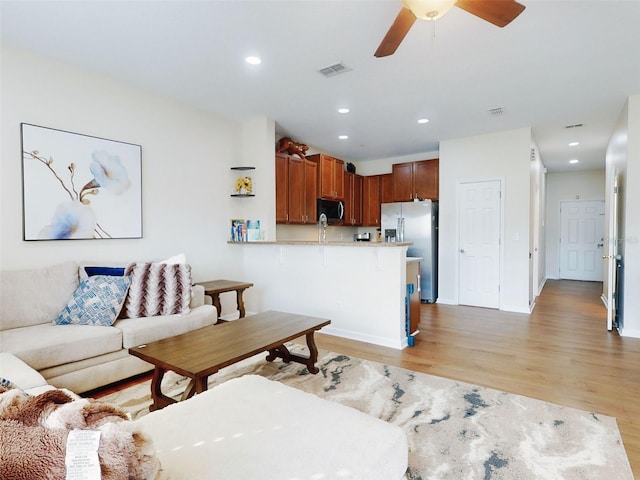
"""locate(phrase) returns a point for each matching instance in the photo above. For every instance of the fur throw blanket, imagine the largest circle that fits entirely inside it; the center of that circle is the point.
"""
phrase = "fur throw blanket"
(34, 429)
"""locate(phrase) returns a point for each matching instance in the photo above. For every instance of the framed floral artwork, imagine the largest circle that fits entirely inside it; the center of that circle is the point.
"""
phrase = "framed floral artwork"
(78, 187)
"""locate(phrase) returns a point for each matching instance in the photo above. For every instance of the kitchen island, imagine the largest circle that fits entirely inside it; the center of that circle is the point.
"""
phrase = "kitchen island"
(360, 286)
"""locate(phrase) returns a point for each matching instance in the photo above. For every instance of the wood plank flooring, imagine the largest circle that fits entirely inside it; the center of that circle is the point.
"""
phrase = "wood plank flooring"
(561, 353)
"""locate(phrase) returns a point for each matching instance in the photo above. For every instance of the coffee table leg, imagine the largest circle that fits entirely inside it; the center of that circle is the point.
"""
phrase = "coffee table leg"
(280, 352)
(283, 352)
(215, 297)
(313, 354)
(240, 302)
(159, 399)
(198, 385)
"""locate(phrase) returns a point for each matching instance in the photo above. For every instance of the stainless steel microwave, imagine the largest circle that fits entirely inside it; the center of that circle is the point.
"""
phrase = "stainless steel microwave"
(333, 209)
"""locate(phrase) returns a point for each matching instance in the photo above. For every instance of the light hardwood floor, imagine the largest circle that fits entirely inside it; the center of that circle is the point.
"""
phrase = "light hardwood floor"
(561, 353)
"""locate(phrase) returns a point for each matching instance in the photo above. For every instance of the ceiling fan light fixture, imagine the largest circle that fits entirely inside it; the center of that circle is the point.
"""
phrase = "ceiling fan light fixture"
(429, 9)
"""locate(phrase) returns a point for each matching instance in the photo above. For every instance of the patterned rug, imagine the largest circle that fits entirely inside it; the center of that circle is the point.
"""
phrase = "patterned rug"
(455, 430)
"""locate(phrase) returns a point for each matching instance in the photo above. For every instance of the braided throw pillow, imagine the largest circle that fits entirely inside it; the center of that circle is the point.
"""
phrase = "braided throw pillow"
(157, 289)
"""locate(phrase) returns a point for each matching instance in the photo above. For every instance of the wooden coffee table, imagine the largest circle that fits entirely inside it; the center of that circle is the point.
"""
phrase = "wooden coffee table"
(203, 352)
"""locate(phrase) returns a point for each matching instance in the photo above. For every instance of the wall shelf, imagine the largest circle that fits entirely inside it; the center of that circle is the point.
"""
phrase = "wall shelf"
(240, 189)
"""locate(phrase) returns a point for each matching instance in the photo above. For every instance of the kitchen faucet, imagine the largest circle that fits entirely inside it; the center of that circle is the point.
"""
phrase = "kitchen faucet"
(322, 228)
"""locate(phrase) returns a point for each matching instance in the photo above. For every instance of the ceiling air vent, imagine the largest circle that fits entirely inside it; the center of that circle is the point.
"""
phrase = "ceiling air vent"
(574, 125)
(335, 69)
(496, 112)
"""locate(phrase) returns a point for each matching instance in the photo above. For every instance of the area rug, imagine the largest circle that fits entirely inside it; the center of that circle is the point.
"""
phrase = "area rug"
(455, 430)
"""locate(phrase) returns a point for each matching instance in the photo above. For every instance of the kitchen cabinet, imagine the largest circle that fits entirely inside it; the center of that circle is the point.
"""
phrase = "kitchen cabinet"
(296, 190)
(371, 201)
(413, 277)
(386, 188)
(282, 188)
(413, 180)
(352, 199)
(330, 176)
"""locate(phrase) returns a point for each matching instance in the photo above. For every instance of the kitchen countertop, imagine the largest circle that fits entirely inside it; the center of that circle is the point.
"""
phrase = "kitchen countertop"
(328, 244)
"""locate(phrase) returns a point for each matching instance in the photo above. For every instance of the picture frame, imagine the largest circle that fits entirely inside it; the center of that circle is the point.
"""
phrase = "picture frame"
(77, 186)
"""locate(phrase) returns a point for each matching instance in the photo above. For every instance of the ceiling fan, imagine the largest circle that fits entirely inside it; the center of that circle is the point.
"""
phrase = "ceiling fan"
(498, 12)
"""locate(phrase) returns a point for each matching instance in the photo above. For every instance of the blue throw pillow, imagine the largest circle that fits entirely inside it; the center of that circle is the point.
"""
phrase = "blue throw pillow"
(113, 271)
(97, 301)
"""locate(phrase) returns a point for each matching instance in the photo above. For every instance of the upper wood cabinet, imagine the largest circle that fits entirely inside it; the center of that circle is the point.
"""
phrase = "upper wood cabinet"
(296, 190)
(352, 199)
(371, 201)
(282, 188)
(330, 177)
(413, 180)
(386, 188)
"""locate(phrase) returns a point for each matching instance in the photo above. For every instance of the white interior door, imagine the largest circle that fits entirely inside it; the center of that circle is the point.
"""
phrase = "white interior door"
(479, 244)
(581, 240)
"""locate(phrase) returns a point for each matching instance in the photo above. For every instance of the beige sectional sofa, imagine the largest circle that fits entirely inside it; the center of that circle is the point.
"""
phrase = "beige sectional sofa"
(79, 357)
(251, 427)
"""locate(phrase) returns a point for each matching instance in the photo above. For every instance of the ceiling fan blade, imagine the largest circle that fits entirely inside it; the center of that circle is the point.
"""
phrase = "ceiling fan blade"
(396, 33)
(498, 12)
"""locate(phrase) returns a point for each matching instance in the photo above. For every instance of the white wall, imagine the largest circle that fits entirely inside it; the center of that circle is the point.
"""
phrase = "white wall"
(537, 240)
(186, 155)
(361, 289)
(623, 156)
(632, 224)
(496, 156)
(563, 186)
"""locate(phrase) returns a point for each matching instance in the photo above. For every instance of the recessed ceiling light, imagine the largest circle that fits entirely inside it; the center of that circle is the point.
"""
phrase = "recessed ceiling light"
(573, 144)
(343, 110)
(253, 60)
(343, 137)
(423, 120)
(574, 160)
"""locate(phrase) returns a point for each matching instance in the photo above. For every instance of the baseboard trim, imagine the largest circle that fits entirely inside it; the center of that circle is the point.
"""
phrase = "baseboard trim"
(382, 341)
(629, 332)
(511, 308)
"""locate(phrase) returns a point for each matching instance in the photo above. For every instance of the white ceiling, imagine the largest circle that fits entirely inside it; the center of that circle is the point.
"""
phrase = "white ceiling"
(559, 63)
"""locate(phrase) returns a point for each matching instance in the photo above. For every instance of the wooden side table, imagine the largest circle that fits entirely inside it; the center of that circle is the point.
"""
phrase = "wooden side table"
(215, 287)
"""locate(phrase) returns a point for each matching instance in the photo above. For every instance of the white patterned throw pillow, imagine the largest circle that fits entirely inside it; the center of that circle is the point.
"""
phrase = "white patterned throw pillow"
(97, 301)
(157, 289)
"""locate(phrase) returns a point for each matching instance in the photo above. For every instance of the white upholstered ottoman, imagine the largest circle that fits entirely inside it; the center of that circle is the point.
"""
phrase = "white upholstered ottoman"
(251, 428)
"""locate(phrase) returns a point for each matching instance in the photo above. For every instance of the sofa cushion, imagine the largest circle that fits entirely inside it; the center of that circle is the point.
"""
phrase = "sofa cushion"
(138, 331)
(97, 301)
(19, 373)
(157, 289)
(48, 345)
(35, 296)
(251, 427)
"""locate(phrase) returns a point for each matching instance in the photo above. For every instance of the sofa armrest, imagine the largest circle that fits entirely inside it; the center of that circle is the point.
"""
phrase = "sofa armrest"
(197, 296)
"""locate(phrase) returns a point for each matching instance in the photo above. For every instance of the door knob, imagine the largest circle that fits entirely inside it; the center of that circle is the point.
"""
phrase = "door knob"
(607, 256)
(462, 250)
(600, 245)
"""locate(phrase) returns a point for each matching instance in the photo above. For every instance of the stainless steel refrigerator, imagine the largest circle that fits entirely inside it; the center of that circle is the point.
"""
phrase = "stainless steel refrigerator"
(416, 222)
